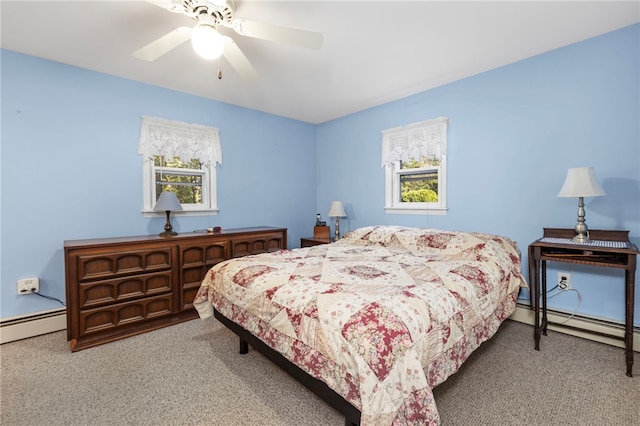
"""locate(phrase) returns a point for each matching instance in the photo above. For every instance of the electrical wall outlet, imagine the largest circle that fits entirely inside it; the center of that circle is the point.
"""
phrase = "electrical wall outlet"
(564, 280)
(28, 286)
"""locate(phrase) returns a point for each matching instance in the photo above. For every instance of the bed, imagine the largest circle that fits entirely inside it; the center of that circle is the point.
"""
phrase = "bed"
(374, 321)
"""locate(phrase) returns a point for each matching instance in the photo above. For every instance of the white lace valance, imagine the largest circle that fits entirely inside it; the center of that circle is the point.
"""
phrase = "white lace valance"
(187, 141)
(426, 138)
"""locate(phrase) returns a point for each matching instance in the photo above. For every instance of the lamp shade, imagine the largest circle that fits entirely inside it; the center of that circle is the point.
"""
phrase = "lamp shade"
(167, 201)
(337, 209)
(581, 182)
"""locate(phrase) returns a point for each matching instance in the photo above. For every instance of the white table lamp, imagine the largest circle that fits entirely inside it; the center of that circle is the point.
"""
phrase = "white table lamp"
(337, 211)
(581, 182)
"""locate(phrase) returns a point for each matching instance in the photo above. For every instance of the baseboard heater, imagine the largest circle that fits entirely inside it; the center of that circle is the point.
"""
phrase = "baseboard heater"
(23, 327)
(30, 325)
(599, 330)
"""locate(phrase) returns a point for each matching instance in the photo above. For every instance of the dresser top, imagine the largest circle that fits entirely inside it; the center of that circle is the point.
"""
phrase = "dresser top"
(181, 236)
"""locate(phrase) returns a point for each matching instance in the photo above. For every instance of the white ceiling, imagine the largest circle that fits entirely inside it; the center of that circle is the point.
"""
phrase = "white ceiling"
(373, 51)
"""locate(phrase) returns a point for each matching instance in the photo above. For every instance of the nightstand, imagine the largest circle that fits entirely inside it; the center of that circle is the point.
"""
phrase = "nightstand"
(312, 241)
(610, 249)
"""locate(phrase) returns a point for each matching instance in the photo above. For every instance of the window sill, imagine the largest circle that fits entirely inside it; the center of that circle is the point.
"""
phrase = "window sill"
(199, 212)
(416, 210)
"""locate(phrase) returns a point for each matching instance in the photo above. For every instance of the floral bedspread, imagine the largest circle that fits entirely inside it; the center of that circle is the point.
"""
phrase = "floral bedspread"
(382, 316)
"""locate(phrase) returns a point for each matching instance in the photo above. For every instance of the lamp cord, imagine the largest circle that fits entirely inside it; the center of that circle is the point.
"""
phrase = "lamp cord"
(575, 310)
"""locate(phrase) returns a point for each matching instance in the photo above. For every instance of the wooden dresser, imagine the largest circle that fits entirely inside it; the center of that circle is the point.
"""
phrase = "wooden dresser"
(120, 287)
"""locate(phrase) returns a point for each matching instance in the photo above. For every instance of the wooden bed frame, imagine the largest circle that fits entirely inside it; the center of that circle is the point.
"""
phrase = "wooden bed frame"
(351, 413)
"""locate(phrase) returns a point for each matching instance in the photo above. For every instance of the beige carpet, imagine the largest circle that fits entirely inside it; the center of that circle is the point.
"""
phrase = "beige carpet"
(192, 374)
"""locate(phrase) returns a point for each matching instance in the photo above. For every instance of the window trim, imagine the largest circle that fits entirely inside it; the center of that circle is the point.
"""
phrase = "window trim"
(415, 140)
(170, 138)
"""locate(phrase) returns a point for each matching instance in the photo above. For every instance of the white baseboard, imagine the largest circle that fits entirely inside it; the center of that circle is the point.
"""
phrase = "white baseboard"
(526, 315)
(25, 326)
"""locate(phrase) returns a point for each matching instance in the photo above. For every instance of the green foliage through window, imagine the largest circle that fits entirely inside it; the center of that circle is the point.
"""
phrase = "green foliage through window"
(420, 185)
(183, 178)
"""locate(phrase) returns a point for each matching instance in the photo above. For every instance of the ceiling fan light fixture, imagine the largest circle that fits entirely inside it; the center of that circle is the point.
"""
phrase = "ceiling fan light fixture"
(205, 39)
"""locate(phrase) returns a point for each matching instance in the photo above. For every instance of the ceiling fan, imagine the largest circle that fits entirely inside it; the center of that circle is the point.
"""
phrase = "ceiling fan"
(207, 41)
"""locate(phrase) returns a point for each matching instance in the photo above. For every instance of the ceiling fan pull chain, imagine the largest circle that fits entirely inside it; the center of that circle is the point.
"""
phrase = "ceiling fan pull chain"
(220, 68)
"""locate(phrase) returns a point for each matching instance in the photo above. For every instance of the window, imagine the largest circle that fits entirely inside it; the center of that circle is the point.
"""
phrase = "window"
(192, 182)
(181, 158)
(415, 161)
(185, 179)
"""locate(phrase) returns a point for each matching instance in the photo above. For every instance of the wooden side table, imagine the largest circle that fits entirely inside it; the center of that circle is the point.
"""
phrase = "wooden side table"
(312, 241)
(610, 249)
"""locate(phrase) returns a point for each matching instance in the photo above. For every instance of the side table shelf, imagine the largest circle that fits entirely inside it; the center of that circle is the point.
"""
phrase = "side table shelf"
(609, 249)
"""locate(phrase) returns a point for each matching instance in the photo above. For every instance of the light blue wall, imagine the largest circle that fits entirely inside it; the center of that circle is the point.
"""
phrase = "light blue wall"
(70, 168)
(513, 133)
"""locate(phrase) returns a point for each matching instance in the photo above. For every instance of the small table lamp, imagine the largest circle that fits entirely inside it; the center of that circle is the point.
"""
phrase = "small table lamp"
(168, 202)
(581, 182)
(337, 211)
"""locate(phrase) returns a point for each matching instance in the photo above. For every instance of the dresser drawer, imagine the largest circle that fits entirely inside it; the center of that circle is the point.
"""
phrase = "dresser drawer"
(258, 244)
(109, 317)
(113, 264)
(96, 293)
(199, 255)
(195, 261)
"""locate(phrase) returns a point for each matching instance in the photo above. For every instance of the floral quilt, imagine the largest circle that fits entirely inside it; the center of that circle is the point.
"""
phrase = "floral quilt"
(382, 316)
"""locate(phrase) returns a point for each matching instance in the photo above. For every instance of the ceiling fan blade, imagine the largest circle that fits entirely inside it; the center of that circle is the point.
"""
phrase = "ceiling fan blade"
(164, 44)
(302, 38)
(238, 60)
